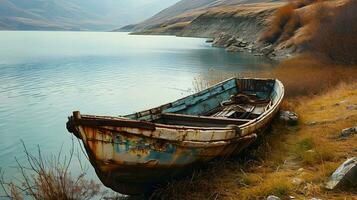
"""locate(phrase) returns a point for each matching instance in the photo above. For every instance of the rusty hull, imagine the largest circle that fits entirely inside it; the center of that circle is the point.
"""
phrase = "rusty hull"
(130, 156)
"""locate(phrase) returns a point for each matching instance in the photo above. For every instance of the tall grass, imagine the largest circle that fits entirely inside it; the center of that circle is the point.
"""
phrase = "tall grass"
(310, 75)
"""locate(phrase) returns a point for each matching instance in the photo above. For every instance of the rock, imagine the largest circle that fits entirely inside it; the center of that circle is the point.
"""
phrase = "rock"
(339, 103)
(209, 40)
(313, 123)
(224, 40)
(258, 54)
(297, 181)
(300, 170)
(272, 197)
(345, 176)
(351, 107)
(267, 50)
(348, 132)
(233, 48)
(315, 198)
(231, 41)
(289, 117)
(241, 43)
(249, 47)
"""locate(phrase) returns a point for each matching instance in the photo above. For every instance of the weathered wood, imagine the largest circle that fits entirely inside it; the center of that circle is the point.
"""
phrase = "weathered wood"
(76, 115)
(200, 120)
(116, 122)
(131, 155)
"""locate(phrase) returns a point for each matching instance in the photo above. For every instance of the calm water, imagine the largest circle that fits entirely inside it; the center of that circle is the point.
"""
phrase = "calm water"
(44, 76)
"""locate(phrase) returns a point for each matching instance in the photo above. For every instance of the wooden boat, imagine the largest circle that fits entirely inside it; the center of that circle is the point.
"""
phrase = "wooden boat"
(133, 152)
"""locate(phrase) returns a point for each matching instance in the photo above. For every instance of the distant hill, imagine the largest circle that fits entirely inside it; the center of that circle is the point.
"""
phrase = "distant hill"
(185, 11)
(75, 14)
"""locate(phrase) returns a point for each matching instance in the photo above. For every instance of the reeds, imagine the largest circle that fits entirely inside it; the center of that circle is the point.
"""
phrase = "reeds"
(49, 178)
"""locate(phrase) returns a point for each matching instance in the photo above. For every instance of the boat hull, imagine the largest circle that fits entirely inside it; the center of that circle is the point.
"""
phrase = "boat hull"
(131, 154)
(132, 164)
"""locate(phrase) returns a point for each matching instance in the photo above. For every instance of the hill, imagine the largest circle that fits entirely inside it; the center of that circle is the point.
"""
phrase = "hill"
(75, 14)
(185, 11)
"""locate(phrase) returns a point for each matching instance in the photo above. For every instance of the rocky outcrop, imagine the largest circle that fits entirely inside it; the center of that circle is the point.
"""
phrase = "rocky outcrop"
(235, 27)
(246, 22)
(234, 43)
(224, 40)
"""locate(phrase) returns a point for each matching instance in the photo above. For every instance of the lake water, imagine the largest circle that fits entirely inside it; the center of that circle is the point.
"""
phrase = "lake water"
(44, 76)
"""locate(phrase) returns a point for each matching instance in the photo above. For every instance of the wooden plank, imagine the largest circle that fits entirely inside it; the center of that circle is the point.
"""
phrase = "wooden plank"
(202, 120)
(115, 122)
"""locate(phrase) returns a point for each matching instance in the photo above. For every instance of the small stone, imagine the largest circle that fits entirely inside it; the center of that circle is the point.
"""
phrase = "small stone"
(313, 123)
(233, 48)
(272, 197)
(297, 181)
(231, 41)
(348, 132)
(345, 176)
(249, 47)
(289, 117)
(267, 50)
(242, 44)
(351, 107)
(301, 170)
(223, 40)
(258, 54)
(292, 197)
(315, 198)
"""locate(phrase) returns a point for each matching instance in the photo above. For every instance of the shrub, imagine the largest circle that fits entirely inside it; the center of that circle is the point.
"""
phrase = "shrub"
(336, 38)
(47, 179)
(281, 18)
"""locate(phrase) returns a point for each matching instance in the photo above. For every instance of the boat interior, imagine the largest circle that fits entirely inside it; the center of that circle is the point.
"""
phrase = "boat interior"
(233, 102)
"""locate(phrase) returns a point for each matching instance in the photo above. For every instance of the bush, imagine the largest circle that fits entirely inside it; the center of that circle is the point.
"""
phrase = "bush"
(336, 38)
(48, 179)
(281, 18)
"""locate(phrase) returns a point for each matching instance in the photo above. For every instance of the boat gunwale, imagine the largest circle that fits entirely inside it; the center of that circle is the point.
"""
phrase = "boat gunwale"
(252, 122)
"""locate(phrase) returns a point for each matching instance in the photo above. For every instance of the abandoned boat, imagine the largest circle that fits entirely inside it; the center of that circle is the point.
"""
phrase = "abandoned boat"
(134, 152)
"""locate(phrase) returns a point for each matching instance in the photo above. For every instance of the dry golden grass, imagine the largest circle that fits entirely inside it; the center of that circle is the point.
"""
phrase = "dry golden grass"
(270, 165)
(306, 75)
(301, 75)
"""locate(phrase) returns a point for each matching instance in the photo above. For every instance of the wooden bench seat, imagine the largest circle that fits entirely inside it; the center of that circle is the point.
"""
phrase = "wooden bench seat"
(200, 121)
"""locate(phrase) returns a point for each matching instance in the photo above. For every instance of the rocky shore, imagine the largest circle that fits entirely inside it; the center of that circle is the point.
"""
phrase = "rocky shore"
(233, 43)
(237, 28)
